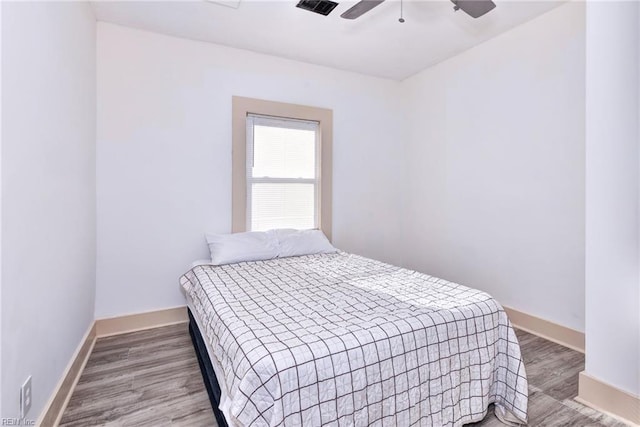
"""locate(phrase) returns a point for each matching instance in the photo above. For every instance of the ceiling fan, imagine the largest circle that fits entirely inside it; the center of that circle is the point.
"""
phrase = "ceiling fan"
(474, 8)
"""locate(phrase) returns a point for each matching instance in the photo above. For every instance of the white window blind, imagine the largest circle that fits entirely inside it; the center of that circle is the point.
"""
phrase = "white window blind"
(282, 173)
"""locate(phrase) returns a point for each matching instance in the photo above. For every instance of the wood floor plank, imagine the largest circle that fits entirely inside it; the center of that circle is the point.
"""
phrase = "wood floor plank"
(152, 378)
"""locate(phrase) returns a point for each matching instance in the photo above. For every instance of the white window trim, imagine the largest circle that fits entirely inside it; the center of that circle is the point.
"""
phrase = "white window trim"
(242, 107)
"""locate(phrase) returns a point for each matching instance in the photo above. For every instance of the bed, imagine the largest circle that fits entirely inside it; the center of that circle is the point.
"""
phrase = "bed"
(341, 340)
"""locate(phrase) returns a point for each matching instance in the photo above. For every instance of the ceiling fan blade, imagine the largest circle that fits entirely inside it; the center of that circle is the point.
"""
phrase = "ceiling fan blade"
(474, 8)
(360, 8)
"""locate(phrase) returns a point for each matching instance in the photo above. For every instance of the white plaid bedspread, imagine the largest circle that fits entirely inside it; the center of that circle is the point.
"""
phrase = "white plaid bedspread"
(342, 340)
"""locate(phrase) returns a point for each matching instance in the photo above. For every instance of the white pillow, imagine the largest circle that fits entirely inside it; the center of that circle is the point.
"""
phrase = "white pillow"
(239, 247)
(303, 242)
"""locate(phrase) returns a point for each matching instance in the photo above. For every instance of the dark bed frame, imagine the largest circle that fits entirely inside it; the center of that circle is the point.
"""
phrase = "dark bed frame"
(208, 375)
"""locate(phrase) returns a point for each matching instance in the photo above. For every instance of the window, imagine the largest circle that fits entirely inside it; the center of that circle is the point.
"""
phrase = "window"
(281, 166)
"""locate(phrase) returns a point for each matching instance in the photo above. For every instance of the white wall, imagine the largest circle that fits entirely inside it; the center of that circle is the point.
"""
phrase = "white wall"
(495, 168)
(0, 208)
(48, 193)
(164, 156)
(612, 185)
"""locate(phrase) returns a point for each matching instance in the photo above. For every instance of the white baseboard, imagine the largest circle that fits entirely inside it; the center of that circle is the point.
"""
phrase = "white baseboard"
(608, 399)
(592, 392)
(141, 321)
(56, 405)
(545, 329)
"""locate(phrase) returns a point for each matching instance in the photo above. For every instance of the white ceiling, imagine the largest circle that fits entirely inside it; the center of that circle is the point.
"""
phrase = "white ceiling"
(375, 44)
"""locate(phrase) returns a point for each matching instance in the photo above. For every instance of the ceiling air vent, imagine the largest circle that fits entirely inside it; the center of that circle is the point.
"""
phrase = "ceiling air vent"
(323, 7)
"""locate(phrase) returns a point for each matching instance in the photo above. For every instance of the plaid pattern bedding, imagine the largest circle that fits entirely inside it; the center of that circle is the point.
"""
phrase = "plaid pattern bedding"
(342, 340)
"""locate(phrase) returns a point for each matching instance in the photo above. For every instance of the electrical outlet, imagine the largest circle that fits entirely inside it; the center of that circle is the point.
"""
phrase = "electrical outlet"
(25, 397)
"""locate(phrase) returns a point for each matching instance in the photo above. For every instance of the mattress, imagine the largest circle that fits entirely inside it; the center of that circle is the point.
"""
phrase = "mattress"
(215, 364)
(342, 340)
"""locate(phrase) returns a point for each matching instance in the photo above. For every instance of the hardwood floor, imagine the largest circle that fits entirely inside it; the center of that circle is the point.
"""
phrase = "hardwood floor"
(148, 378)
(152, 378)
(552, 372)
